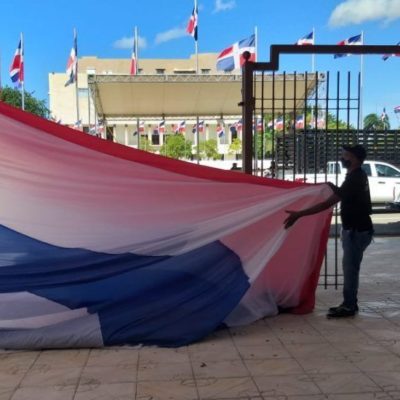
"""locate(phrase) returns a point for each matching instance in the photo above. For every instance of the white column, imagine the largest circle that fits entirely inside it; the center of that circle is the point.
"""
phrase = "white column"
(126, 134)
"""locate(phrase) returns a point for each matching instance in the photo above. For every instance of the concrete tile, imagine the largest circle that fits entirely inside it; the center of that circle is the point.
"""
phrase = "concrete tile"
(17, 360)
(220, 352)
(161, 354)
(220, 369)
(44, 392)
(117, 391)
(363, 396)
(370, 363)
(108, 374)
(11, 377)
(263, 352)
(277, 366)
(63, 358)
(6, 393)
(166, 390)
(326, 365)
(47, 376)
(346, 383)
(289, 385)
(226, 388)
(311, 350)
(388, 381)
(165, 372)
(113, 356)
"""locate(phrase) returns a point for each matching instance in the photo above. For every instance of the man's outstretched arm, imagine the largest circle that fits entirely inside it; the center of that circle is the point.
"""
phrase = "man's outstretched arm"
(315, 209)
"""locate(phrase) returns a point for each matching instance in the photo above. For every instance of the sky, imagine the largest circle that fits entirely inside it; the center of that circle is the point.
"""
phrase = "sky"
(105, 29)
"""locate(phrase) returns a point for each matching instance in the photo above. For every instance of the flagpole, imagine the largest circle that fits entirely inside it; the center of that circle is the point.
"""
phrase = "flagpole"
(313, 55)
(23, 73)
(0, 74)
(256, 41)
(196, 47)
(136, 51)
(76, 78)
(361, 122)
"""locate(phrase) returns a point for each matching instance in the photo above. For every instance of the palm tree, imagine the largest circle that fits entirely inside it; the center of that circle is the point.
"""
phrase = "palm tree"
(374, 122)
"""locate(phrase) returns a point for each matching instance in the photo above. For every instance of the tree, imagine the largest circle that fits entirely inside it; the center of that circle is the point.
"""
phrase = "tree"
(209, 149)
(176, 146)
(235, 147)
(374, 122)
(145, 144)
(14, 98)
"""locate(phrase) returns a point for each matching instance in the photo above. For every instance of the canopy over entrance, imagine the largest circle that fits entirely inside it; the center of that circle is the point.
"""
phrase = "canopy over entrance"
(125, 96)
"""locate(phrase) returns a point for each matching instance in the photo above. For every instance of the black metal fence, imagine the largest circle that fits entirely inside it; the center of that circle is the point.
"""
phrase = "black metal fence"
(305, 119)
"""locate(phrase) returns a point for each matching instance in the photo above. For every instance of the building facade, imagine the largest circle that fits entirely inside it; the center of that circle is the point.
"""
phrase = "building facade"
(126, 128)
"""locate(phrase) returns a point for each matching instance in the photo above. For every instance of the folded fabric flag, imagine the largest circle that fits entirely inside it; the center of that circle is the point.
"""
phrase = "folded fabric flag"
(101, 244)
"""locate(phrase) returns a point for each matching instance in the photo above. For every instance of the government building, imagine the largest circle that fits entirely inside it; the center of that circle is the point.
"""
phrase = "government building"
(165, 97)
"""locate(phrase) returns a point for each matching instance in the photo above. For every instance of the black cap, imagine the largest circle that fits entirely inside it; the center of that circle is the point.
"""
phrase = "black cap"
(357, 151)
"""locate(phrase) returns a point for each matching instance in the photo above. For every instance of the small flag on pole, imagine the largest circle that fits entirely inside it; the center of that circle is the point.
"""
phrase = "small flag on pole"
(232, 57)
(384, 116)
(72, 63)
(192, 24)
(386, 56)
(133, 70)
(17, 66)
(220, 130)
(352, 41)
(306, 40)
(161, 127)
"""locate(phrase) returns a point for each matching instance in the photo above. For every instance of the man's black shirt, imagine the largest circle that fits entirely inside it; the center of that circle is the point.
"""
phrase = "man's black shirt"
(355, 198)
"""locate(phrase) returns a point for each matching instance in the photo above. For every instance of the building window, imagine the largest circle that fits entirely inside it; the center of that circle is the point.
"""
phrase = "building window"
(205, 71)
(160, 71)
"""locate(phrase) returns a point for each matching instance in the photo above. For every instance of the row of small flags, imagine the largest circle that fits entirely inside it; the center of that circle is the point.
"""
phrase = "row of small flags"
(258, 125)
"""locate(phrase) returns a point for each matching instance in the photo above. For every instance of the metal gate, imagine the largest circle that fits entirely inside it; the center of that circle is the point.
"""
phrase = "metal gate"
(300, 121)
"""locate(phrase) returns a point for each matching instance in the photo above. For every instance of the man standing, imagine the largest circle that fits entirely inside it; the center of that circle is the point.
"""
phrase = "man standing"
(357, 229)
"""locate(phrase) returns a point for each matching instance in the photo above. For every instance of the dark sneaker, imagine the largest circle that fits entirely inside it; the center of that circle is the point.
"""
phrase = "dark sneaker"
(341, 312)
(333, 309)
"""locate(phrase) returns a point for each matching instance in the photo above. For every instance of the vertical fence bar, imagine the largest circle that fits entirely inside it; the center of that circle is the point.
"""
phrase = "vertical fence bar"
(247, 116)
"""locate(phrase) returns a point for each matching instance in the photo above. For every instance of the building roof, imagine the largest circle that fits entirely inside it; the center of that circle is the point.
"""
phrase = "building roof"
(126, 96)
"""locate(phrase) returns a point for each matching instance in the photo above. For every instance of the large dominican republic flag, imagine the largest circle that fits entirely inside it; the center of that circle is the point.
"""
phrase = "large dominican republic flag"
(17, 66)
(232, 57)
(102, 244)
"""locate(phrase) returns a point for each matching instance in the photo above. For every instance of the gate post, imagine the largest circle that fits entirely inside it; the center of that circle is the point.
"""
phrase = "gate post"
(247, 114)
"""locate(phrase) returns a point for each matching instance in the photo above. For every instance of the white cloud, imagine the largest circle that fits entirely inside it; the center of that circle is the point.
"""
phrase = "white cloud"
(172, 34)
(127, 43)
(351, 12)
(221, 5)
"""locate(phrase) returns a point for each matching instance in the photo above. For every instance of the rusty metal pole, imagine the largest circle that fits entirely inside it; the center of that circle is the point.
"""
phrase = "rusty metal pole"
(247, 114)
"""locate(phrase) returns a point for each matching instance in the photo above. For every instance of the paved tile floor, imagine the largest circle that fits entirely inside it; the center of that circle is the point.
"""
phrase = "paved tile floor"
(287, 357)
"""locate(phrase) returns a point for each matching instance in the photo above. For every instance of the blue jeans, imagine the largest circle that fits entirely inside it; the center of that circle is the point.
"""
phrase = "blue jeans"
(354, 243)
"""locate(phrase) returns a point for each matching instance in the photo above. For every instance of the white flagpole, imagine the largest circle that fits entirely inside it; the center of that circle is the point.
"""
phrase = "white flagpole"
(76, 78)
(136, 51)
(196, 46)
(0, 74)
(256, 41)
(361, 121)
(313, 55)
(23, 73)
